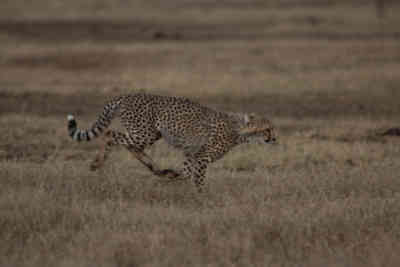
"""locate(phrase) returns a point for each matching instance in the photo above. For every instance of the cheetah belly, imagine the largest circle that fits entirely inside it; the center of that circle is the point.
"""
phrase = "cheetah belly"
(186, 131)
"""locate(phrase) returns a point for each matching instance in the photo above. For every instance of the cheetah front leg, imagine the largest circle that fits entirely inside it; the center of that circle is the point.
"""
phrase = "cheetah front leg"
(195, 169)
(195, 166)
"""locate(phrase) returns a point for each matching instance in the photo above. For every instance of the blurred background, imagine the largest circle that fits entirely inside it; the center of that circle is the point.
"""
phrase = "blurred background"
(272, 54)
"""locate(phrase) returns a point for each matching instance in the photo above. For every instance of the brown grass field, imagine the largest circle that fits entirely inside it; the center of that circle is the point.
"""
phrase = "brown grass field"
(327, 73)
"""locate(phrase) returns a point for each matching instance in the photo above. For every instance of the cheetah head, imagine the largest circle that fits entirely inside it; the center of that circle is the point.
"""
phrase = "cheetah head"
(257, 129)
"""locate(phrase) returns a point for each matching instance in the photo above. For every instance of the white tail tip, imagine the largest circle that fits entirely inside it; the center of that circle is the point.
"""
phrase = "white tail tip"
(70, 117)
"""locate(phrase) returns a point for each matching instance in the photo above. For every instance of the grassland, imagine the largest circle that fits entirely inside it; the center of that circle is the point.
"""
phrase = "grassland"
(326, 72)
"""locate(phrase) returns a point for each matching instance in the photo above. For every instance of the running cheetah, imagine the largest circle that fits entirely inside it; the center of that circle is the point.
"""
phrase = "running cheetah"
(203, 134)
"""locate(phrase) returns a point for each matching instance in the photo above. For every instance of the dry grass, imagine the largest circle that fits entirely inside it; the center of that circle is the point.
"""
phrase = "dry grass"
(317, 198)
(327, 195)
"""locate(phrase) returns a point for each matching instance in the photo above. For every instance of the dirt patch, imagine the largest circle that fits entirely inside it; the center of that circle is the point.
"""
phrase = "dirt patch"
(367, 138)
(74, 61)
(296, 106)
(46, 104)
(141, 30)
(114, 30)
(391, 132)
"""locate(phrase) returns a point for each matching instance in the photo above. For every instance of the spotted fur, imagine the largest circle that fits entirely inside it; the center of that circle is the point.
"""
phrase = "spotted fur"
(203, 134)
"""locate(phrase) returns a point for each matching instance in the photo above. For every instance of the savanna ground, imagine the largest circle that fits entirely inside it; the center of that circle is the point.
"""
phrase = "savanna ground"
(326, 72)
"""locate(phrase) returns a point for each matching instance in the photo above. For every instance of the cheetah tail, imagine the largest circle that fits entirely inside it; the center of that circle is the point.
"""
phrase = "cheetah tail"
(102, 122)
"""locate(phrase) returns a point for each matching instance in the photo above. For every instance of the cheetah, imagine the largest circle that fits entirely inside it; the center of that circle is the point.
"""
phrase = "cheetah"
(203, 134)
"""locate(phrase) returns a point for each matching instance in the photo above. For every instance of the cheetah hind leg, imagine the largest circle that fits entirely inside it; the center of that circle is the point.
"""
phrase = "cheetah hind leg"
(113, 138)
(109, 140)
(102, 155)
(127, 142)
(149, 163)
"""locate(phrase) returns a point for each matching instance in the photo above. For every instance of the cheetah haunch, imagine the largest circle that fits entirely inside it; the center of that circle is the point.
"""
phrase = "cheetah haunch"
(203, 134)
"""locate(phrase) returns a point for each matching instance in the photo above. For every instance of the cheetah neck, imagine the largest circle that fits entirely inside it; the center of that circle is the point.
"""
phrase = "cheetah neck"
(239, 123)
